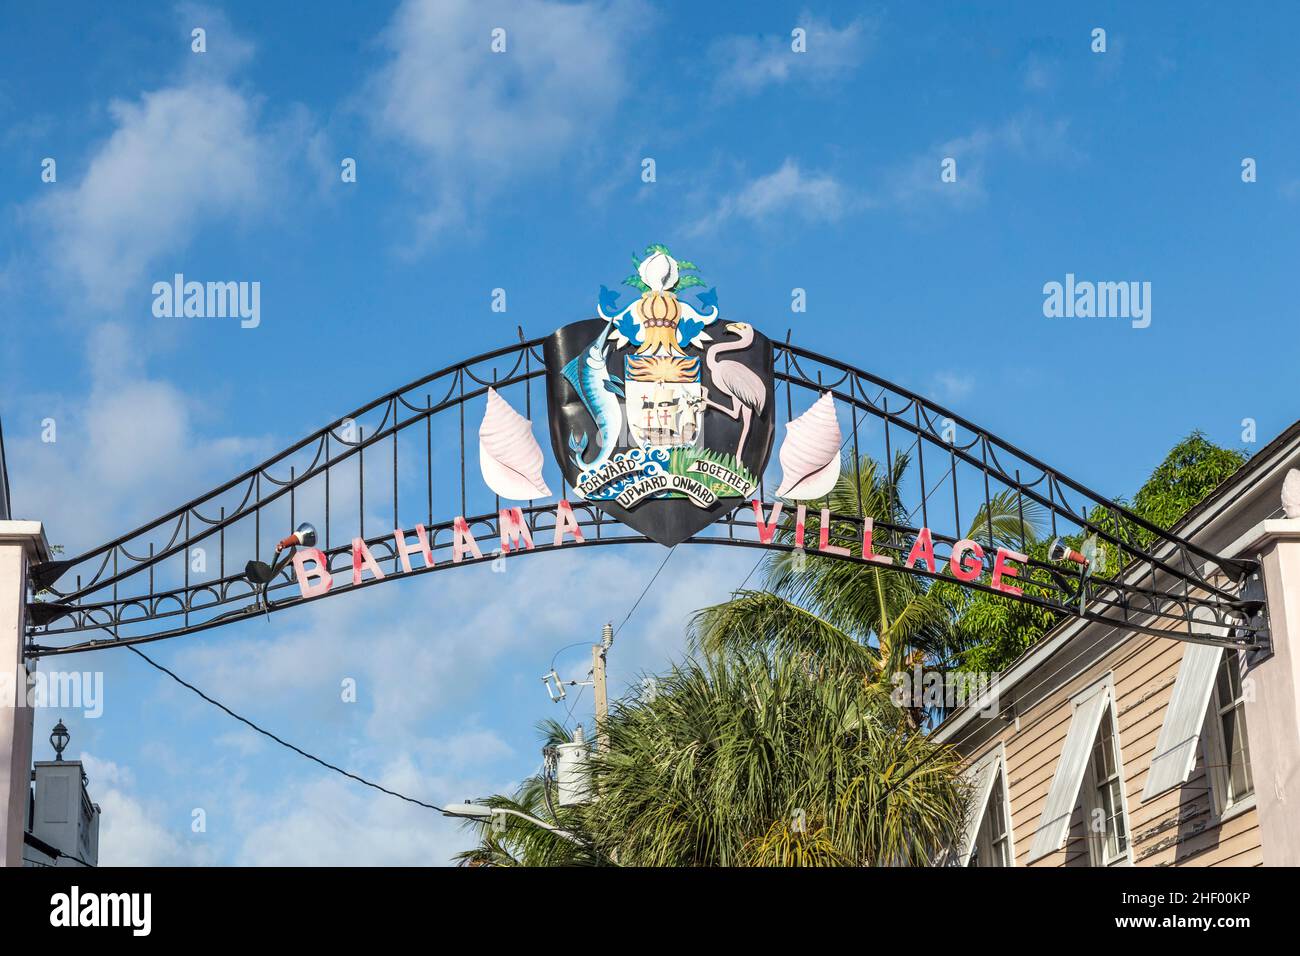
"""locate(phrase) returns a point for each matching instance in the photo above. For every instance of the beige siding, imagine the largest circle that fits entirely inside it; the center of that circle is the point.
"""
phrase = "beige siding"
(1176, 828)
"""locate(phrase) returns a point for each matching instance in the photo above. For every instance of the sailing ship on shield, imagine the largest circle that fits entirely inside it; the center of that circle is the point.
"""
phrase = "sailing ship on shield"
(661, 411)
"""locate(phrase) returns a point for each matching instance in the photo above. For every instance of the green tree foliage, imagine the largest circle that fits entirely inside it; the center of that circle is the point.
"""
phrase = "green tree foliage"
(990, 631)
(1192, 469)
(744, 760)
(749, 760)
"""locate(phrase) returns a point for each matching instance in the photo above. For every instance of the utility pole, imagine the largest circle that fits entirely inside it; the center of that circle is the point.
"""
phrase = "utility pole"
(555, 686)
(598, 652)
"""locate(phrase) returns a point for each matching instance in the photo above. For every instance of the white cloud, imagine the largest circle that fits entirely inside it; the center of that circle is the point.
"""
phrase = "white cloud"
(126, 448)
(951, 386)
(481, 121)
(788, 192)
(748, 64)
(440, 652)
(1040, 73)
(917, 182)
(130, 833)
(334, 822)
(470, 747)
(226, 51)
(241, 741)
(179, 157)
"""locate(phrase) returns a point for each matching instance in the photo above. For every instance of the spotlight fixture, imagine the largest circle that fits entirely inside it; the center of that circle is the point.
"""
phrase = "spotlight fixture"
(1060, 551)
(1087, 558)
(304, 535)
(260, 574)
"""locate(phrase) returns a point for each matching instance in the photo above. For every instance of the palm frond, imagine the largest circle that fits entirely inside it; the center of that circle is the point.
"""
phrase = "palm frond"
(761, 620)
(1008, 520)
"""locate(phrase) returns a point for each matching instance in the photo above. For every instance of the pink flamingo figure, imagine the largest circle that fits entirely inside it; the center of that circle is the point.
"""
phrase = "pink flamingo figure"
(736, 381)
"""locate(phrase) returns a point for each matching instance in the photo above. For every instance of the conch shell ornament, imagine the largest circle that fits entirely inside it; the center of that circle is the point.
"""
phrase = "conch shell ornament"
(810, 454)
(659, 272)
(508, 454)
(1291, 494)
(659, 309)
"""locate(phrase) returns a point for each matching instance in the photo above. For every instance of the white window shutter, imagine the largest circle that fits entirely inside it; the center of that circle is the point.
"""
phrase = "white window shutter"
(1054, 824)
(1175, 752)
(980, 779)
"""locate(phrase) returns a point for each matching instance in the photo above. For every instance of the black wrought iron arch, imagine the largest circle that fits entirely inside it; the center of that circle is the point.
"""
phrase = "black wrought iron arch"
(140, 587)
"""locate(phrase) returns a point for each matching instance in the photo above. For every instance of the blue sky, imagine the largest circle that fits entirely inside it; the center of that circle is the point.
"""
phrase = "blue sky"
(522, 170)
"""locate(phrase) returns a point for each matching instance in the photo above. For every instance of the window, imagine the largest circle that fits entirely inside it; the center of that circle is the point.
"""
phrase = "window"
(986, 838)
(1189, 710)
(993, 843)
(1107, 826)
(1227, 753)
(1087, 711)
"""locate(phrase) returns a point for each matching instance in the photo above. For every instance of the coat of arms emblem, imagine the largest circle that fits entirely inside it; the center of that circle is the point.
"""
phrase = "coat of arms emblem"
(662, 413)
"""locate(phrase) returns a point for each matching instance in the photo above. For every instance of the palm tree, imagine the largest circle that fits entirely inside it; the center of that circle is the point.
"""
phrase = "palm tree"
(862, 619)
(748, 760)
(781, 747)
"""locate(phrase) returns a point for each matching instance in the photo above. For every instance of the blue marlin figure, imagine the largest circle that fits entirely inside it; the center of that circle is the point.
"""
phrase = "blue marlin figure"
(600, 392)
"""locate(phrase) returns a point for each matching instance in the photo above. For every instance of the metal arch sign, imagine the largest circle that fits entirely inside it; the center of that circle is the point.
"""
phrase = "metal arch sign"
(661, 414)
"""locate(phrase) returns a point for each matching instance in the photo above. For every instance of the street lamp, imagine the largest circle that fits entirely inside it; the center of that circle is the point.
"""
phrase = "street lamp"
(59, 738)
(478, 811)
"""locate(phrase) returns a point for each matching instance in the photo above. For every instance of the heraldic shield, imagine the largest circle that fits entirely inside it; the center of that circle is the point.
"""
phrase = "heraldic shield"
(661, 415)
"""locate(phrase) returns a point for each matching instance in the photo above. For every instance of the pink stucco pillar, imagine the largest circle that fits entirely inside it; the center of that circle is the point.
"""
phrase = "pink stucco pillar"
(21, 544)
(1272, 705)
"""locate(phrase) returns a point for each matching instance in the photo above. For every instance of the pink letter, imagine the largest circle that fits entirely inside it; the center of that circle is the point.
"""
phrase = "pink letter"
(321, 571)
(868, 552)
(405, 550)
(923, 549)
(463, 541)
(766, 531)
(510, 522)
(966, 567)
(823, 543)
(1001, 569)
(361, 556)
(801, 513)
(565, 523)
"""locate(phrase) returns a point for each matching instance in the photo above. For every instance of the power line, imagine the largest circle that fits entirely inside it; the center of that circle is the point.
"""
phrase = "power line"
(645, 590)
(282, 743)
(627, 617)
(36, 843)
(556, 655)
(576, 697)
